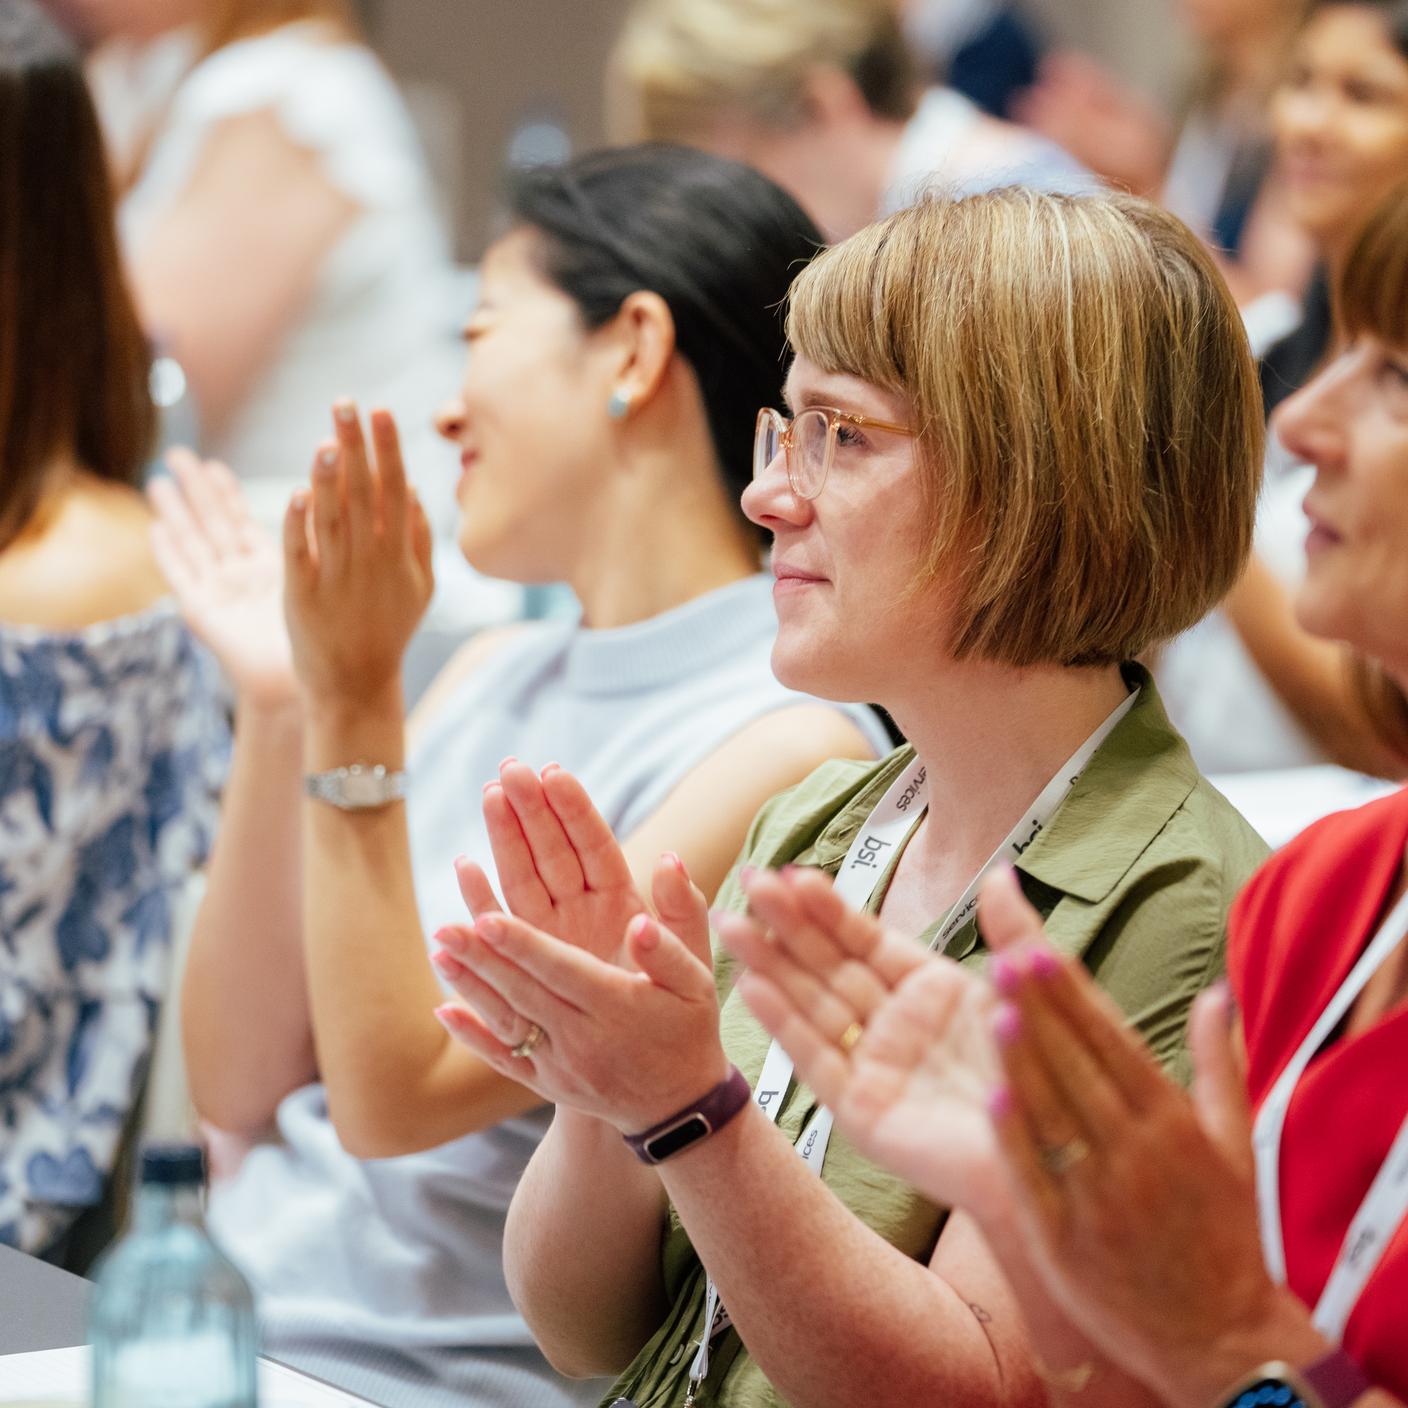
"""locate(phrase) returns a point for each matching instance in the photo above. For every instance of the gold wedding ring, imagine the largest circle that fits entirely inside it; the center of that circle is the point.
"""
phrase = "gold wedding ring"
(1065, 1157)
(529, 1044)
(850, 1037)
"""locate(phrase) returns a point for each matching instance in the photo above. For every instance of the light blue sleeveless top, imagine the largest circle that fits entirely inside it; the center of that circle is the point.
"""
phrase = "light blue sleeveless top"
(385, 1276)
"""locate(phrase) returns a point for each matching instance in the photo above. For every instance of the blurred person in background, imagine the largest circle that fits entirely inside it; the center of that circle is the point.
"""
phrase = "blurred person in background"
(111, 737)
(282, 235)
(1215, 171)
(1249, 687)
(823, 96)
(627, 329)
(984, 49)
(1249, 1246)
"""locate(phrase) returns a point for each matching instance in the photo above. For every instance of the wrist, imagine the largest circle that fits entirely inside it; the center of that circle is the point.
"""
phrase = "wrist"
(1281, 1330)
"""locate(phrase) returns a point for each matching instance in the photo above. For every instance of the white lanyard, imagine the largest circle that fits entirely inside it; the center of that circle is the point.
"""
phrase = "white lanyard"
(895, 816)
(1386, 1202)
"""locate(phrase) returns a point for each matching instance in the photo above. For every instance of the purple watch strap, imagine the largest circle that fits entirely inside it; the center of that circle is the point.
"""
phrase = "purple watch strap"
(698, 1120)
(1337, 1380)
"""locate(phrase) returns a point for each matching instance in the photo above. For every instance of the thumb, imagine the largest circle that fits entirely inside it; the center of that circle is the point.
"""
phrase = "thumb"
(1219, 1082)
(1004, 915)
(681, 905)
(665, 960)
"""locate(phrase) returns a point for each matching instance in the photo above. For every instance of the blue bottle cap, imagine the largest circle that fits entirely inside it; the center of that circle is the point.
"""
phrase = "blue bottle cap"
(174, 1164)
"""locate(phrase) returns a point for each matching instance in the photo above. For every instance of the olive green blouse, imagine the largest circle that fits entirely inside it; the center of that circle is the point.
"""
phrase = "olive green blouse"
(1134, 874)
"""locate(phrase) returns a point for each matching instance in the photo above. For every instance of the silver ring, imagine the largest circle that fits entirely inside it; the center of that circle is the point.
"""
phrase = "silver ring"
(1064, 1157)
(529, 1044)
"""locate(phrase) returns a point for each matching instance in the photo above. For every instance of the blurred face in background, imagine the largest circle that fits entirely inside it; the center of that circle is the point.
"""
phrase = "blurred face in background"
(530, 421)
(1341, 123)
(1351, 423)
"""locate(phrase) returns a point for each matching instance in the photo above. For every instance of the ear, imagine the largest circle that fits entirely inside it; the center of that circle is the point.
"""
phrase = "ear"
(833, 98)
(644, 330)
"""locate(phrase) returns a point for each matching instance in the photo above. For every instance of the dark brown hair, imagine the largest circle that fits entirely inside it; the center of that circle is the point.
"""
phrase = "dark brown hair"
(73, 360)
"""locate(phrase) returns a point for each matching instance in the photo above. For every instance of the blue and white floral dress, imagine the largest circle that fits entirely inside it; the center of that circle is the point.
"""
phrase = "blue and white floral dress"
(113, 744)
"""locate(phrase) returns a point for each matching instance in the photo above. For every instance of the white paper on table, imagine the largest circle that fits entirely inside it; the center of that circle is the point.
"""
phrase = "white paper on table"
(58, 1378)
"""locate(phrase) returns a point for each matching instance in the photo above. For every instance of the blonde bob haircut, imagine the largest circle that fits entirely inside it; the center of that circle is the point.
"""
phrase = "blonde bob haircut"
(681, 64)
(1088, 414)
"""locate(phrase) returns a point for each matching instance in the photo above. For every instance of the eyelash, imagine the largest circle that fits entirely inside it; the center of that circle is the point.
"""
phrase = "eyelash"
(1395, 372)
(848, 434)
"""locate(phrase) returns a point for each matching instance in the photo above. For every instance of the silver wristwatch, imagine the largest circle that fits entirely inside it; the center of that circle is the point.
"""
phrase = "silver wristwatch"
(360, 788)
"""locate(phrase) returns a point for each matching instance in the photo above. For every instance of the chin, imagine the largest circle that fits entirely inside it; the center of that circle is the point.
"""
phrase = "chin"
(814, 670)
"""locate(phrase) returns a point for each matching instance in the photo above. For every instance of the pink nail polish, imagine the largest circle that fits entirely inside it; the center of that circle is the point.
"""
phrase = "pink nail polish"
(1005, 976)
(490, 928)
(673, 861)
(1045, 964)
(551, 767)
(747, 873)
(1000, 1102)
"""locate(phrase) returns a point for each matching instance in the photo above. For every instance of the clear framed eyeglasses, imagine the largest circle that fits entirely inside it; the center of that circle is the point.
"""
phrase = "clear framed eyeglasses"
(808, 442)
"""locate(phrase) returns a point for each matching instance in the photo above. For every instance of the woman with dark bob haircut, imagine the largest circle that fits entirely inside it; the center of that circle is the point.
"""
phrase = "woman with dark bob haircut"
(108, 725)
(627, 329)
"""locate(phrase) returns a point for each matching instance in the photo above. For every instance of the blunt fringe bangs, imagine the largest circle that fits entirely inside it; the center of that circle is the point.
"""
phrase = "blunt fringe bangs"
(1088, 413)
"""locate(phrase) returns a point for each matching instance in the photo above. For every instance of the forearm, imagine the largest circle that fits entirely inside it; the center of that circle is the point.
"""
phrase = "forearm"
(859, 1312)
(592, 1310)
(247, 1035)
(396, 1081)
(1076, 1372)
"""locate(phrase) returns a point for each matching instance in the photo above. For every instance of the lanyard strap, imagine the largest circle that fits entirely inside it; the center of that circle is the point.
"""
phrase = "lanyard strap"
(1386, 1203)
(895, 816)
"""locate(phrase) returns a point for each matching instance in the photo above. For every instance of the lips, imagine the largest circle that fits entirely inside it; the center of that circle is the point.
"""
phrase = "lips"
(787, 572)
(1321, 534)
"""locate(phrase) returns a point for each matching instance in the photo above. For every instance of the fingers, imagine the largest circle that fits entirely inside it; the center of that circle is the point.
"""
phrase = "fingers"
(666, 961)
(891, 956)
(1219, 1081)
(554, 856)
(475, 889)
(533, 972)
(391, 475)
(422, 543)
(1005, 917)
(359, 488)
(523, 890)
(503, 1022)
(1056, 1078)
(1021, 1147)
(328, 530)
(470, 1031)
(819, 974)
(819, 1062)
(171, 549)
(206, 501)
(298, 560)
(226, 489)
(598, 854)
(681, 905)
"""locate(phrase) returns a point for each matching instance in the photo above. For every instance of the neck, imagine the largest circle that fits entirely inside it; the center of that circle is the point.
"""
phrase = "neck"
(654, 543)
(991, 738)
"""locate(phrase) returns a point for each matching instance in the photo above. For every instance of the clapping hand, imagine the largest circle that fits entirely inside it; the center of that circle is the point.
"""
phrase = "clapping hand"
(227, 576)
(1136, 1202)
(891, 1038)
(562, 870)
(358, 576)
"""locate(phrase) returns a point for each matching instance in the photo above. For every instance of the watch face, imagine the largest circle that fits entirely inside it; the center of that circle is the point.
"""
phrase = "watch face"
(679, 1136)
(1276, 1393)
(364, 789)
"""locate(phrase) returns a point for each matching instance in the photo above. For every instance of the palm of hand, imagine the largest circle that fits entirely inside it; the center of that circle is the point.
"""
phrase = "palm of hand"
(236, 608)
(916, 1097)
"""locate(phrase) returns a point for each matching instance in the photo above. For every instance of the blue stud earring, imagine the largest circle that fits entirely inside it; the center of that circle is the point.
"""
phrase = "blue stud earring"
(618, 407)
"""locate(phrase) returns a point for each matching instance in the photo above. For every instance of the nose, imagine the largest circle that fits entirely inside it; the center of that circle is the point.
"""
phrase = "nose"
(1303, 115)
(769, 501)
(1312, 424)
(450, 419)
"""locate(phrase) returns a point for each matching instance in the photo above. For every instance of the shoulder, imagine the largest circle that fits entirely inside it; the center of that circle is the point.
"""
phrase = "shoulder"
(92, 563)
(1306, 911)
(465, 666)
